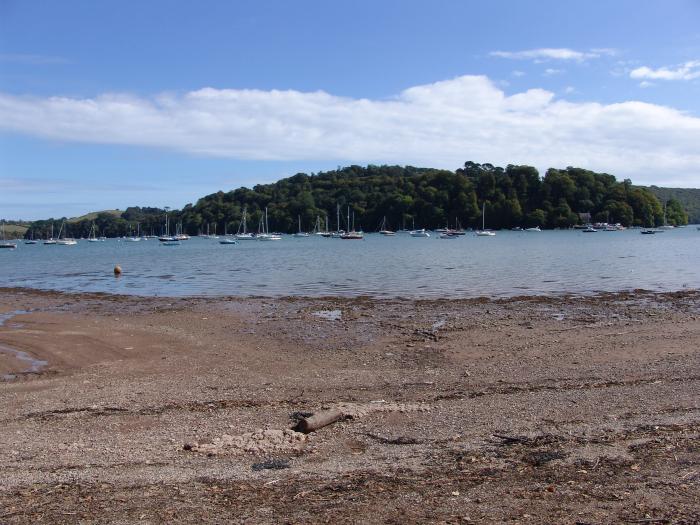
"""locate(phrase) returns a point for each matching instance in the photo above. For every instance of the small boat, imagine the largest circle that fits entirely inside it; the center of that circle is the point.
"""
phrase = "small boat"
(384, 230)
(31, 239)
(483, 232)
(352, 235)
(228, 240)
(589, 229)
(649, 231)
(265, 235)
(93, 235)
(419, 233)
(535, 229)
(167, 239)
(137, 237)
(65, 241)
(298, 233)
(448, 235)
(243, 234)
(516, 229)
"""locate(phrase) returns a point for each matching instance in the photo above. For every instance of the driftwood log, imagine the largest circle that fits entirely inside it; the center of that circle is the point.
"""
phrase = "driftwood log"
(318, 420)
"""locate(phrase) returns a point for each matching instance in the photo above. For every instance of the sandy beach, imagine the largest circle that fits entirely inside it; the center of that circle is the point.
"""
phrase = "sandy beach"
(529, 410)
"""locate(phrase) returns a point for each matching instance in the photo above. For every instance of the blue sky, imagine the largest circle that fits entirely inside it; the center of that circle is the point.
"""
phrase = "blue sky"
(110, 104)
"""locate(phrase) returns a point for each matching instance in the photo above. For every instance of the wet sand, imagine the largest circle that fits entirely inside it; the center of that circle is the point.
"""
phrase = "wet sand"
(527, 410)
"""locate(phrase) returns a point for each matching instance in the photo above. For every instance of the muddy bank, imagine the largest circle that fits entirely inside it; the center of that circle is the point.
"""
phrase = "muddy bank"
(532, 410)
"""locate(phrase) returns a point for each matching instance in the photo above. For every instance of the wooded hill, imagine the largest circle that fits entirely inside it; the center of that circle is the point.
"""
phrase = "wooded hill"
(688, 197)
(428, 198)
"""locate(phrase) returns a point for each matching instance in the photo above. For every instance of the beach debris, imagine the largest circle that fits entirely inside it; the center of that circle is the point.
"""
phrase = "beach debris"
(319, 420)
(256, 443)
(117, 270)
(271, 464)
(329, 315)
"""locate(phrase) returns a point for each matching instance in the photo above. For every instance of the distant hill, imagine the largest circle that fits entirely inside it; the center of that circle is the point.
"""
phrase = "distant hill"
(93, 215)
(688, 197)
(15, 231)
(401, 196)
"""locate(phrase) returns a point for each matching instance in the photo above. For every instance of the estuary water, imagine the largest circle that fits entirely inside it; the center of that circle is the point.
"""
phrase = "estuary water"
(509, 264)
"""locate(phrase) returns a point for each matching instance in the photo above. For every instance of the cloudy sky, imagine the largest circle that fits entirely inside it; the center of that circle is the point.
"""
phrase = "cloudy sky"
(110, 104)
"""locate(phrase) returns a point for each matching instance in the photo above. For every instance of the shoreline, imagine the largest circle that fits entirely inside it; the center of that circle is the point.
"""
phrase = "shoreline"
(564, 295)
(172, 409)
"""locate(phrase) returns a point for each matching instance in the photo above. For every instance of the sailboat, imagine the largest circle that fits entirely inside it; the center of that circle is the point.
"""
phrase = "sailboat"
(243, 234)
(50, 240)
(483, 232)
(226, 239)
(418, 233)
(338, 232)
(4, 243)
(93, 234)
(665, 225)
(384, 230)
(298, 233)
(31, 239)
(138, 234)
(167, 240)
(352, 235)
(266, 235)
(65, 241)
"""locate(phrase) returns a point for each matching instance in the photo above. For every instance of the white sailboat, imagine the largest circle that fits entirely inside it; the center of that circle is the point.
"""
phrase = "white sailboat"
(50, 240)
(266, 235)
(136, 238)
(352, 235)
(384, 230)
(299, 233)
(93, 234)
(65, 241)
(665, 225)
(338, 232)
(243, 234)
(483, 232)
(418, 233)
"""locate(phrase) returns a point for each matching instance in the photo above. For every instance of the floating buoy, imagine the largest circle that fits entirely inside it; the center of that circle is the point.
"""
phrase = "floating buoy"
(117, 270)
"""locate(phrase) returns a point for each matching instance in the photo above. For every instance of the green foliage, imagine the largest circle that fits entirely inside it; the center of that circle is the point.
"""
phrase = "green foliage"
(687, 197)
(428, 198)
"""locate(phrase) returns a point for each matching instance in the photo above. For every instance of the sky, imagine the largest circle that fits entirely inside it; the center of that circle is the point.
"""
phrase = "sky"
(105, 105)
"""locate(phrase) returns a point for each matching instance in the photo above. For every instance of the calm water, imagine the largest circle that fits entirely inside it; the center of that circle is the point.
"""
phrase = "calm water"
(512, 263)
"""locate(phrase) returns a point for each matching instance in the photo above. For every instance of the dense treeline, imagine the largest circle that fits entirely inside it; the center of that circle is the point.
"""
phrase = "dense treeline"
(514, 196)
(428, 198)
(689, 199)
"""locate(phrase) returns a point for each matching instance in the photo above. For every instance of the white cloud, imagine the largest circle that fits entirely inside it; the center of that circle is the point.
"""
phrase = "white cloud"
(645, 84)
(549, 53)
(518, 73)
(441, 124)
(687, 71)
(569, 89)
(550, 71)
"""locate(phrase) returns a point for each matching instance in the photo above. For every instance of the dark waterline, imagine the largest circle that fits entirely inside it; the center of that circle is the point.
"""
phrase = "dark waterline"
(509, 264)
